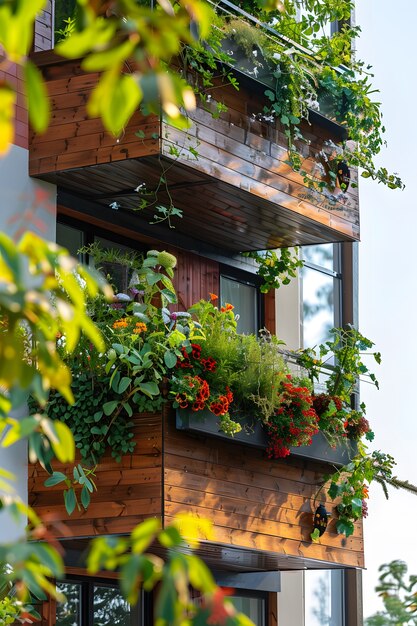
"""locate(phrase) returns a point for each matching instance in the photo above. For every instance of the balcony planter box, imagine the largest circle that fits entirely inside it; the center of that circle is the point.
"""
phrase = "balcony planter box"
(205, 423)
(255, 66)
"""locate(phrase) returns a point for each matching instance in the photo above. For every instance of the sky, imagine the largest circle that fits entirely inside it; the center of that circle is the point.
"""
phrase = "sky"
(388, 287)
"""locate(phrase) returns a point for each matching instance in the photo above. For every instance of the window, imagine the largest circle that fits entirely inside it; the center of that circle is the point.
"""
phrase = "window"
(244, 297)
(321, 288)
(95, 603)
(253, 606)
(312, 598)
(70, 238)
(327, 30)
(324, 597)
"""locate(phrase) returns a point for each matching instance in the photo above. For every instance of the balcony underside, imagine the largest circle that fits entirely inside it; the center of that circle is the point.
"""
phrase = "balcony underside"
(212, 209)
(219, 557)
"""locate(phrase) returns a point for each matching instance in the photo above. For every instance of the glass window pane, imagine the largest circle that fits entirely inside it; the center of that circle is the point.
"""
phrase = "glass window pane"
(254, 608)
(324, 598)
(110, 608)
(244, 299)
(68, 613)
(70, 238)
(318, 306)
(321, 255)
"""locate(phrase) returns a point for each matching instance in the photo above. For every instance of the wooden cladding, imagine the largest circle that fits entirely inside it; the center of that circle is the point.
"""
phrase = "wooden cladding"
(127, 492)
(74, 140)
(195, 278)
(250, 155)
(254, 503)
(229, 174)
(259, 506)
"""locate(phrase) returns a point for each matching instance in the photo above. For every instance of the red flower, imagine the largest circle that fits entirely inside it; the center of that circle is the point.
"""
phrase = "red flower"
(227, 307)
(219, 611)
(209, 364)
(195, 351)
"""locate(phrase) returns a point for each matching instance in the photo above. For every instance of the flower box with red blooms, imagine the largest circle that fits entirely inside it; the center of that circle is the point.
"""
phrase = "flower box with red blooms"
(240, 387)
(254, 434)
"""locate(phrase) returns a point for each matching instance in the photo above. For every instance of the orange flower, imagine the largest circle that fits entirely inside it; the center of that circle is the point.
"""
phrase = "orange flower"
(365, 492)
(213, 297)
(140, 328)
(120, 324)
(227, 307)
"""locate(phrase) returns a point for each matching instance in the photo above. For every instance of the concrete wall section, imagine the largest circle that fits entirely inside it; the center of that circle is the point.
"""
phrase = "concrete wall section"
(25, 204)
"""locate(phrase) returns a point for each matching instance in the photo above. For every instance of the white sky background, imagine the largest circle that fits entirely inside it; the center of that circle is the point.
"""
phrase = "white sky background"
(388, 281)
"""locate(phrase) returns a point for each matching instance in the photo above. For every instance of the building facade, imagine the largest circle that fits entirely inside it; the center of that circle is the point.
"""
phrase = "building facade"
(239, 194)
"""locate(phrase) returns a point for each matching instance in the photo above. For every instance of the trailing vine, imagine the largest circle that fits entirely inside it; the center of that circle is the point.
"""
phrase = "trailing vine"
(276, 268)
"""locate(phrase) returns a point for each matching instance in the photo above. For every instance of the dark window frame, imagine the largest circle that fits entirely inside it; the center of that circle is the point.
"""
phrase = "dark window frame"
(140, 613)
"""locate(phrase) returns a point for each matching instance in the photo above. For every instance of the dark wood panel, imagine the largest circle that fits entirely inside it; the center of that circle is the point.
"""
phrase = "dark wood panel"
(255, 503)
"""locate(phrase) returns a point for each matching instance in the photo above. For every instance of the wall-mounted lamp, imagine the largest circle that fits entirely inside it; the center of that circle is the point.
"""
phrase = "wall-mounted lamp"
(321, 518)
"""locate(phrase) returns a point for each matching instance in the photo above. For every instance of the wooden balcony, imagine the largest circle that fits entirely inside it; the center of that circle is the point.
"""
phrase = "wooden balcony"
(239, 192)
(262, 510)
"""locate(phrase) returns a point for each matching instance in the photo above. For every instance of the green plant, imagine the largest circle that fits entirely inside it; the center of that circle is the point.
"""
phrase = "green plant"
(66, 30)
(350, 485)
(142, 343)
(10, 610)
(82, 478)
(276, 268)
(172, 578)
(101, 255)
(246, 36)
(398, 594)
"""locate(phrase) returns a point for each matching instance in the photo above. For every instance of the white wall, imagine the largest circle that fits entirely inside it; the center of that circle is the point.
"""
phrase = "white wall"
(388, 301)
(24, 204)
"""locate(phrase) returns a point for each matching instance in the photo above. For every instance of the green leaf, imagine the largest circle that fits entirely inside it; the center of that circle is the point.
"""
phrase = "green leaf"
(129, 578)
(55, 479)
(149, 389)
(170, 537)
(85, 497)
(169, 295)
(37, 95)
(357, 506)
(199, 574)
(124, 384)
(70, 500)
(333, 491)
(127, 408)
(144, 534)
(170, 359)
(110, 407)
(345, 527)
(64, 447)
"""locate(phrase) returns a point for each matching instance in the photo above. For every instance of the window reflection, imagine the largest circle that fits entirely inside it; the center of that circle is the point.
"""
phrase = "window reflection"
(110, 608)
(318, 306)
(244, 299)
(321, 255)
(323, 598)
(254, 608)
(68, 613)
